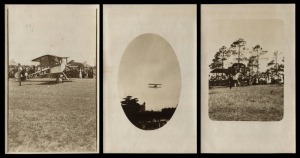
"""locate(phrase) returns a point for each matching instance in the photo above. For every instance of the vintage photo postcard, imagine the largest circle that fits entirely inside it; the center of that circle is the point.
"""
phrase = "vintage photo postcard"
(51, 78)
(150, 71)
(248, 78)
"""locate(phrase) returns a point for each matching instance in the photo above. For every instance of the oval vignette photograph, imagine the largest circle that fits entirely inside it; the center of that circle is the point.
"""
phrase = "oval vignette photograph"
(149, 81)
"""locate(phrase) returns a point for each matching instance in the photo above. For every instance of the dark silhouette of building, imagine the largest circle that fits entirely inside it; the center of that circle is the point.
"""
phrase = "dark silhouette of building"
(147, 120)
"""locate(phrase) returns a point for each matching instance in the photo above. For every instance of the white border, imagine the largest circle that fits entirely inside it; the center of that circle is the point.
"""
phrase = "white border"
(97, 95)
(250, 136)
(177, 25)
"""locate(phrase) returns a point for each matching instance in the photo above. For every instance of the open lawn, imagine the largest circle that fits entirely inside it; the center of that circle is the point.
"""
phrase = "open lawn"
(249, 103)
(49, 117)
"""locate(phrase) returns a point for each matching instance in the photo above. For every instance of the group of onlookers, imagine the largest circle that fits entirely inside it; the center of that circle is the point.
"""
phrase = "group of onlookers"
(261, 79)
(72, 72)
(271, 79)
(75, 72)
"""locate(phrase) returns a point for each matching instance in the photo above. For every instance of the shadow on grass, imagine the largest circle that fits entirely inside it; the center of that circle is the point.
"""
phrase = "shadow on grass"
(25, 84)
(38, 80)
(48, 83)
(71, 80)
(52, 82)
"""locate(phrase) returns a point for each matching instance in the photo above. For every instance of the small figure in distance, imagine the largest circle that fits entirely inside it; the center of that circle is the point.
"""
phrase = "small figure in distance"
(230, 80)
(19, 73)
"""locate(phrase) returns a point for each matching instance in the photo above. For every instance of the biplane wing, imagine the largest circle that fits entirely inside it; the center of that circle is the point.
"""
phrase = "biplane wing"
(47, 57)
(152, 85)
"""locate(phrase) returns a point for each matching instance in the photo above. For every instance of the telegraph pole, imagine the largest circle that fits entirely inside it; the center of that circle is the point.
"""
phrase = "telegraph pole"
(276, 53)
(257, 56)
(239, 56)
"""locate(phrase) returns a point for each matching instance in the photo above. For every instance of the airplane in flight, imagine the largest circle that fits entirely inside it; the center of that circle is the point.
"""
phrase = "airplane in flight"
(152, 85)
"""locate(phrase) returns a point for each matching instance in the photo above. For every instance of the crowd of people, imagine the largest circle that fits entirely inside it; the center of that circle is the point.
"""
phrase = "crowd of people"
(239, 79)
(73, 72)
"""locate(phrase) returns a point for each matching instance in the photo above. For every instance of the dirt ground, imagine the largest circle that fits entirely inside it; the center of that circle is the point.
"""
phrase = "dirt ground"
(44, 116)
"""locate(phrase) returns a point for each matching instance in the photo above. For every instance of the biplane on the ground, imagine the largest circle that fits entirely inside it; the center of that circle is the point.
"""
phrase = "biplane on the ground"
(152, 85)
(238, 71)
(51, 66)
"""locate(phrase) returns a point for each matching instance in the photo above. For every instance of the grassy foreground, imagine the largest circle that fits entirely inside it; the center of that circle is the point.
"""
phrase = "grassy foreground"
(50, 117)
(250, 103)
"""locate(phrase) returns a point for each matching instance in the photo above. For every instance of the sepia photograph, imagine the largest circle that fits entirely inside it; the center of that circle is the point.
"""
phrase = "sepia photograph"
(51, 78)
(248, 78)
(149, 79)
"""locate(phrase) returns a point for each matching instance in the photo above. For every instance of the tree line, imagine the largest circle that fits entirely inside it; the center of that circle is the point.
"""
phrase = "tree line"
(137, 114)
(239, 52)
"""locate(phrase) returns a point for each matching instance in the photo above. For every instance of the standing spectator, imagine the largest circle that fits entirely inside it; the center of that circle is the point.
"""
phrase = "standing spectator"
(26, 74)
(80, 74)
(91, 72)
(94, 72)
(230, 79)
(86, 73)
(19, 73)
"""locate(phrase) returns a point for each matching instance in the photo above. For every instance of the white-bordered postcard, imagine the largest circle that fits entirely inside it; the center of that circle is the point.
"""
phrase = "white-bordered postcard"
(51, 78)
(248, 78)
(149, 79)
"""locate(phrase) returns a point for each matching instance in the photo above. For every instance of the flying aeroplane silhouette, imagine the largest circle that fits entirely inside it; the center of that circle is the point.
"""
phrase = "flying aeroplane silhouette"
(152, 85)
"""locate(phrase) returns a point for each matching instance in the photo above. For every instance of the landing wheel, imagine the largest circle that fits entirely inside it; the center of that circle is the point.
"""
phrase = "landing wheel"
(59, 80)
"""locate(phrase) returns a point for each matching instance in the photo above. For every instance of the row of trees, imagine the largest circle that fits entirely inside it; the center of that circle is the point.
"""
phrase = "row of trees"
(239, 52)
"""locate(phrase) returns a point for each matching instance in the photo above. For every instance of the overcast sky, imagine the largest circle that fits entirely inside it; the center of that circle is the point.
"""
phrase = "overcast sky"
(62, 30)
(268, 33)
(150, 59)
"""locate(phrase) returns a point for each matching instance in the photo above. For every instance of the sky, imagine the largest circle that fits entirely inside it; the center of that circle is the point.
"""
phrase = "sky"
(62, 30)
(150, 59)
(268, 33)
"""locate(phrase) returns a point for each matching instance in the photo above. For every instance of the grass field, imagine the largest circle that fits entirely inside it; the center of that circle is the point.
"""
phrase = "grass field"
(250, 103)
(50, 117)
